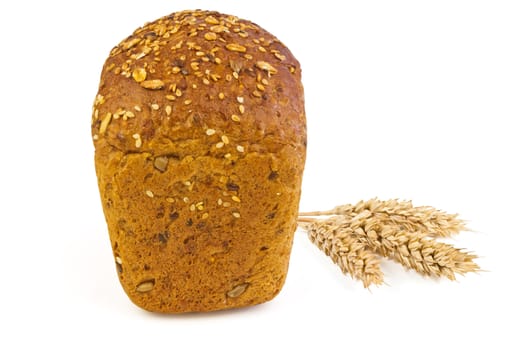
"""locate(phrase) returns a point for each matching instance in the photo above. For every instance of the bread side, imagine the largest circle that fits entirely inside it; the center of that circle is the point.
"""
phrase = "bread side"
(200, 141)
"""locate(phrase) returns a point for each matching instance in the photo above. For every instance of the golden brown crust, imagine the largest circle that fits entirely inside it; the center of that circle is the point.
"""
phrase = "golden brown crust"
(200, 141)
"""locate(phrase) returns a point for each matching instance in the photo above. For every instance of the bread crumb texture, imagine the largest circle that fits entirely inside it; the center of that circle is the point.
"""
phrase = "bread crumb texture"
(200, 141)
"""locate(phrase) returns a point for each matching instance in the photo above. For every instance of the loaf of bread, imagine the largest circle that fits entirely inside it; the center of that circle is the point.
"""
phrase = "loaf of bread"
(200, 141)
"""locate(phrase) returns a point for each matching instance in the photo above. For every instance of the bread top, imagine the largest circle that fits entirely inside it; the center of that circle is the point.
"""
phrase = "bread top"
(199, 77)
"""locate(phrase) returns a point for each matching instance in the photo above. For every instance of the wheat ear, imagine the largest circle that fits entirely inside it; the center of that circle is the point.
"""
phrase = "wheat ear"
(351, 255)
(424, 219)
(355, 236)
(412, 249)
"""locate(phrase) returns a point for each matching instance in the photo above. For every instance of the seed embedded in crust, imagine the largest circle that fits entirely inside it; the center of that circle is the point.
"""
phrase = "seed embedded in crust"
(155, 84)
(279, 56)
(105, 122)
(138, 140)
(240, 149)
(266, 67)
(237, 290)
(236, 199)
(225, 139)
(118, 260)
(241, 109)
(145, 286)
(210, 36)
(235, 47)
(149, 194)
(236, 215)
(210, 132)
(219, 29)
(161, 163)
(211, 20)
(235, 118)
(139, 75)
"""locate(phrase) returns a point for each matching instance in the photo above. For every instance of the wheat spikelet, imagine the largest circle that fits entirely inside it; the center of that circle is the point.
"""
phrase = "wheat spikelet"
(403, 214)
(414, 250)
(351, 255)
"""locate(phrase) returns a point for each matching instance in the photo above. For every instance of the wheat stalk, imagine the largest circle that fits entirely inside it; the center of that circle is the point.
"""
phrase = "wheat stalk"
(355, 236)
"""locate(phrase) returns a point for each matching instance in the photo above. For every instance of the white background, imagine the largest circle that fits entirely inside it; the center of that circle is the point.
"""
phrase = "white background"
(418, 100)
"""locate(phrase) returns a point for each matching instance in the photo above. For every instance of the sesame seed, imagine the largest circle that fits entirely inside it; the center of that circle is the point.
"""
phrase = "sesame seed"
(236, 215)
(194, 65)
(170, 200)
(225, 139)
(137, 108)
(95, 137)
(178, 93)
(260, 87)
(187, 183)
(240, 148)
(187, 102)
(256, 93)
(192, 207)
(264, 81)
(235, 75)
(236, 199)
(170, 97)
(228, 155)
(205, 216)
(218, 60)
(200, 207)
(205, 81)
(149, 193)
(262, 49)
(236, 118)
(240, 99)
(168, 110)
(210, 132)
(219, 201)
(221, 96)
(226, 204)
(155, 107)
(118, 260)
(219, 144)
(186, 200)
(241, 109)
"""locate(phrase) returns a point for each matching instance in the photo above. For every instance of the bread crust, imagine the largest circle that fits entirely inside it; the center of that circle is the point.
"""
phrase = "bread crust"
(200, 142)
